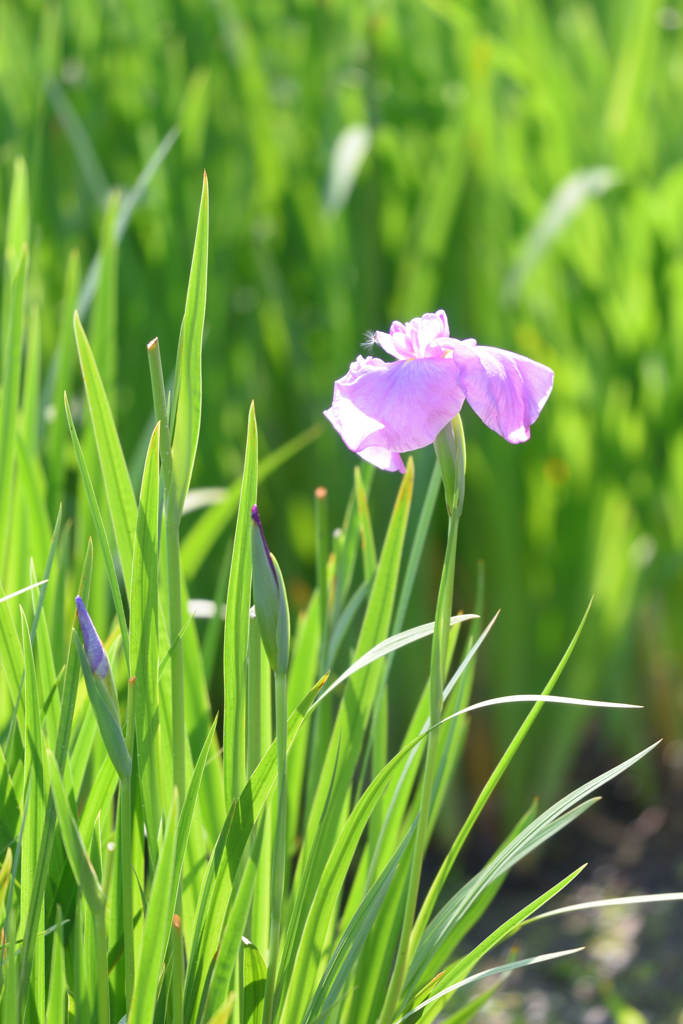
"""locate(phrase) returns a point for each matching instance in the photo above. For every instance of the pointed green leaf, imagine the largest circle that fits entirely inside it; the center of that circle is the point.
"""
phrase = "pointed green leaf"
(101, 533)
(236, 922)
(120, 495)
(483, 798)
(30, 398)
(253, 983)
(187, 398)
(63, 372)
(84, 873)
(10, 1001)
(17, 235)
(225, 860)
(187, 813)
(35, 771)
(346, 741)
(144, 637)
(545, 826)
(353, 940)
(9, 402)
(66, 714)
(367, 536)
(157, 928)
(237, 625)
(56, 1000)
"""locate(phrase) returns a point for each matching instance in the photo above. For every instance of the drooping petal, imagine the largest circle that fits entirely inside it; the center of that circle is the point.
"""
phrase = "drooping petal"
(507, 391)
(383, 459)
(398, 406)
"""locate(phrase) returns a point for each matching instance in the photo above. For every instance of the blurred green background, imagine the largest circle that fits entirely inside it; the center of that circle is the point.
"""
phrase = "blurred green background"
(519, 165)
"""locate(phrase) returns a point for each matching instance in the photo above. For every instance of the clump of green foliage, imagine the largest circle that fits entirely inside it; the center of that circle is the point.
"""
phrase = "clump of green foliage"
(516, 164)
(148, 871)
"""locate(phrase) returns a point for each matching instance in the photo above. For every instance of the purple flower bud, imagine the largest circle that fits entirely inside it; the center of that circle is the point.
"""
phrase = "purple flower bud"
(270, 600)
(256, 518)
(94, 651)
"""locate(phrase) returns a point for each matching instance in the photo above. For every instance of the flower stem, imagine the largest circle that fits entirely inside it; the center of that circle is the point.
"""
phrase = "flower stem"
(127, 853)
(437, 676)
(280, 850)
(102, 965)
(175, 622)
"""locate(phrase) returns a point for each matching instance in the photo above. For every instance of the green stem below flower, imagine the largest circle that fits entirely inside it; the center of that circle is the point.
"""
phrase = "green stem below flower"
(436, 681)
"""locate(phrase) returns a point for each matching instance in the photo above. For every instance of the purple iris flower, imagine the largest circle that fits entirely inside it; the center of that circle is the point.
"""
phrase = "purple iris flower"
(94, 651)
(381, 409)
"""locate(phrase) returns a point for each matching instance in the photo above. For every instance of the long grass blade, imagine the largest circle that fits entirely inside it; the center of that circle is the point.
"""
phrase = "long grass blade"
(144, 648)
(120, 496)
(9, 402)
(157, 928)
(187, 395)
(101, 533)
(237, 626)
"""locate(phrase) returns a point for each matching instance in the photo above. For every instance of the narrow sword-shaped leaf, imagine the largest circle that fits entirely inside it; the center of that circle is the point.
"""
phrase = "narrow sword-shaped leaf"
(144, 643)
(347, 735)
(236, 920)
(619, 901)
(62, 366)
(236, 639)
(393, 643)
(34, 769)
(9, 402)
(17, 236)
(101, 533)
(503, 969)
(352, 941)
(120, 495)
(464, 965)
(66, 714)
(188, 810)
(253, 983)
(482, 799)
(187, 398)
(84, 873)
(157, 928)
(299, 976)
(367, 537)
(532, 836)
(56, 1000)
(225, 860)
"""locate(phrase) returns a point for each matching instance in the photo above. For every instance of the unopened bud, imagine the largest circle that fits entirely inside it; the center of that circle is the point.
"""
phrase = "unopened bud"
(270, 599)
(449, 445)
(94, 651)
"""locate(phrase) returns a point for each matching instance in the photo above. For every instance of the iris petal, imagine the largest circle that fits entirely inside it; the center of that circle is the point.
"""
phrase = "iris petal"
(383, 459)
(507, 391)
(398, 406)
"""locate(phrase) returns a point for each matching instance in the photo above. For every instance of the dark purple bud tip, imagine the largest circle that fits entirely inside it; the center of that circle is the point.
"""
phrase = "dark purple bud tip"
(256, 519)
(94, 651)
